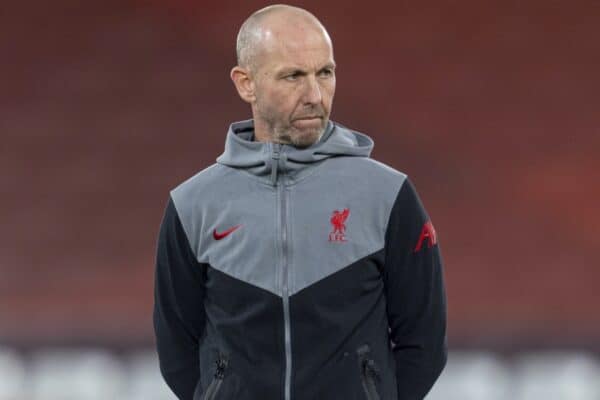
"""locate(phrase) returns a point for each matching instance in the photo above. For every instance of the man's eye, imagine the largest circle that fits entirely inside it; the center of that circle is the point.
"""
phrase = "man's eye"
(292, 77)
(326, 72)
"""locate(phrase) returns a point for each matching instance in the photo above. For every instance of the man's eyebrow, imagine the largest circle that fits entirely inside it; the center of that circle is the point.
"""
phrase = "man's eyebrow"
(302, 71)
(288, 70)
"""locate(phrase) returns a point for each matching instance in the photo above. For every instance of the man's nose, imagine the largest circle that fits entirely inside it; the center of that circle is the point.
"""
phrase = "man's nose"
(312, 92)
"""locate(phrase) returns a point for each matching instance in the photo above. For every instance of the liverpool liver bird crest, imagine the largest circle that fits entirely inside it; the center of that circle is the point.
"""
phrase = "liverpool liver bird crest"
(338, 220)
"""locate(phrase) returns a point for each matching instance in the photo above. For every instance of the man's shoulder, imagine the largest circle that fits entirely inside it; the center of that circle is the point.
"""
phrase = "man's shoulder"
(201, 182)
(370, 169)
(368, 163)
(201, 177)
(383, 168)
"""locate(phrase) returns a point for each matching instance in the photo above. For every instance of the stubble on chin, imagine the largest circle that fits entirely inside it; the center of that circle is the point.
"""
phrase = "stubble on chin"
(297, 138)
(290, 135)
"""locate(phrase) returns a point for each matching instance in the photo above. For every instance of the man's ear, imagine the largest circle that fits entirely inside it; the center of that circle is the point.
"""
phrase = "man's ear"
(243, 83)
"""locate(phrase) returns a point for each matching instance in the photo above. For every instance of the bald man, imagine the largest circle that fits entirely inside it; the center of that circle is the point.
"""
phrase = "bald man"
(297, 267)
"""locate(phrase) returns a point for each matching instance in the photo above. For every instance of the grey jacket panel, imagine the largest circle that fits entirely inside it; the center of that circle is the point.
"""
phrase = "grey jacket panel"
(317, 252)
(220, 197)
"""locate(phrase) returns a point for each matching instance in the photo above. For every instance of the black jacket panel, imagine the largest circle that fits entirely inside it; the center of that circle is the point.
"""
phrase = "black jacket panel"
(179, 319)
(414, 289)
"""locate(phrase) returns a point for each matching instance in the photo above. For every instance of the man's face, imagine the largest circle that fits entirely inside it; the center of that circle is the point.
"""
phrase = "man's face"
(294, 87)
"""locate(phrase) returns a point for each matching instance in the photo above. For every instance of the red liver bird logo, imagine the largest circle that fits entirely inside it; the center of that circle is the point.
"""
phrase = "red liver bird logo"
(338, 219)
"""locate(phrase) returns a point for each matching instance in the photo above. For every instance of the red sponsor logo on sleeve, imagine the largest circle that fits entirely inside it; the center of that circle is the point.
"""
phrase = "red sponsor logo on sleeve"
(427, 234)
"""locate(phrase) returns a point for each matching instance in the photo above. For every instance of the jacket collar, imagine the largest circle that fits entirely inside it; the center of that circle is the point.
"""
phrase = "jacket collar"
(269, 160)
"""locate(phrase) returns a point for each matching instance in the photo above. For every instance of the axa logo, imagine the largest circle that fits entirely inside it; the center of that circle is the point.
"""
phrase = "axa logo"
(427, 235)
(338, 222)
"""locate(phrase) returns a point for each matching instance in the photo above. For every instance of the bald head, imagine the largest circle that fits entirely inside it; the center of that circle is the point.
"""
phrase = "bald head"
(286, 72)
(270, 25)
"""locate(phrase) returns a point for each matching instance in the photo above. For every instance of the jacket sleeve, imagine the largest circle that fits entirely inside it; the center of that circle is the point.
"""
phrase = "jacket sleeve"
(179, 315)
(415, 296)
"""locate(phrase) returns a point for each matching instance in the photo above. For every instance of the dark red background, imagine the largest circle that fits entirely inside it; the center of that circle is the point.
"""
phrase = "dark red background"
(490, 107)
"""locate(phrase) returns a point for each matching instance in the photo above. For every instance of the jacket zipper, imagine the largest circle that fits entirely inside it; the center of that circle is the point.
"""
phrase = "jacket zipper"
(368, 371)
(284, 279)
(215, 385)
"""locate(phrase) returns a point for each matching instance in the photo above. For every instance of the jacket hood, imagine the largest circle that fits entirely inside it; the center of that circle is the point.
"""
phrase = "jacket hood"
(267, 160)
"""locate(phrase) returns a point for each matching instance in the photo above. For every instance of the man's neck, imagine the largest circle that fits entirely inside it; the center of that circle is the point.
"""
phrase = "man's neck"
(261, 133)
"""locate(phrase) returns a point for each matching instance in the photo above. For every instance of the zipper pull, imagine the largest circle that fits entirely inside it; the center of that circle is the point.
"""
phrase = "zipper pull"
(221, 366)
(363, 350)
(369, 365)
(275, 162)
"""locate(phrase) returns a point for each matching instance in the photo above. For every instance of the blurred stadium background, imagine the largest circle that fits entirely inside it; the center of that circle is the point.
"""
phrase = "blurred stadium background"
(491, 107)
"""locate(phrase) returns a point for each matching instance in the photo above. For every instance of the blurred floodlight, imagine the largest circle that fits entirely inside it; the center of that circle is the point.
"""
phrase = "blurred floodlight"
(76, 375)
(557, 376)
(12, 375)
(472, 376)
(145, 381)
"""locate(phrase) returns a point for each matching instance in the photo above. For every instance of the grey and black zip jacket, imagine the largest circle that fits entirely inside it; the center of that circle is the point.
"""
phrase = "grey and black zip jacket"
(298, 274)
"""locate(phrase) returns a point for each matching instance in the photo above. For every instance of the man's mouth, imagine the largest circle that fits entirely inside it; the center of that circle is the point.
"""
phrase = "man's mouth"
(307, 121)
(308, 117)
